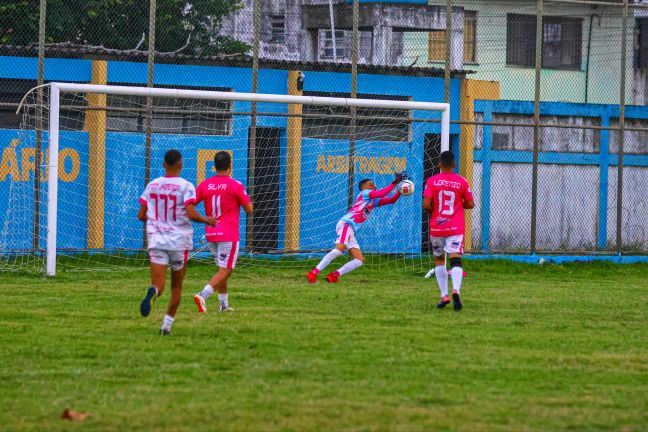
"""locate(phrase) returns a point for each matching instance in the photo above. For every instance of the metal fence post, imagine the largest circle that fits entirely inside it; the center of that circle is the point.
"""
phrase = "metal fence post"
(448, 51)
(149, 99)
(536, 126)
(253, 120)
(354, 90)
(622, 92)
(42, 22)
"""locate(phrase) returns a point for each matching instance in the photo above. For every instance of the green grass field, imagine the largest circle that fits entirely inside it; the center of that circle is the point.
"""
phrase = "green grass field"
(535, 348)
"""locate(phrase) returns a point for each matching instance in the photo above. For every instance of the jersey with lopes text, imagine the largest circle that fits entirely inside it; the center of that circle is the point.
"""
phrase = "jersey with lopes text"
(223, 197)
(360, 210)
(448, 192)
(167, 225)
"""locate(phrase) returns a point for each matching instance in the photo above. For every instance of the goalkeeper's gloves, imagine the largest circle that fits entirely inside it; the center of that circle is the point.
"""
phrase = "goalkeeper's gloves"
(400, 176)
(397, 179)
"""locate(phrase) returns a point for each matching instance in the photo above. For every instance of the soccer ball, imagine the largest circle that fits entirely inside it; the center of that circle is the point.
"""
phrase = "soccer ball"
(406, 187)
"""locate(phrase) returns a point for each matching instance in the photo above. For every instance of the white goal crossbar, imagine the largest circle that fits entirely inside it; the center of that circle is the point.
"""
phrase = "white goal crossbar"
(57, 88)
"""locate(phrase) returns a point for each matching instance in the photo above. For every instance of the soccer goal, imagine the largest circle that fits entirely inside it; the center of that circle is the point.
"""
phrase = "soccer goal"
(85, 153)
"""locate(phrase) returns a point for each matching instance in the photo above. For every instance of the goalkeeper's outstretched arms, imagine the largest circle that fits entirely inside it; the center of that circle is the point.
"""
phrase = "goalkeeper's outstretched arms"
(380, 193)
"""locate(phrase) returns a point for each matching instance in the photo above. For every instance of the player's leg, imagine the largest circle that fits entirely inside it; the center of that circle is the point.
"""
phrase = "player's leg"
(440, 271)
(178, 270)
(223, 300)
(159, 260)
(356, 262)
(225, 256)
(342, 231)
(454, 248)
(354, 250)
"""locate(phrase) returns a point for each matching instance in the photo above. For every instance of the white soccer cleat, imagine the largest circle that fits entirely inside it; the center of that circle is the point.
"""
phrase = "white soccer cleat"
(429, 274)
(224, 308)
(201, 303)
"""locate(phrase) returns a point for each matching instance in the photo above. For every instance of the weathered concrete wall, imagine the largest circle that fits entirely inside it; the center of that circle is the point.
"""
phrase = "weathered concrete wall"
(597, 82)
(382, 28)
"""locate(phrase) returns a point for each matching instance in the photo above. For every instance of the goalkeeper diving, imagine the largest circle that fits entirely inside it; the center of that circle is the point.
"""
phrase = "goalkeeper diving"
(369, 198)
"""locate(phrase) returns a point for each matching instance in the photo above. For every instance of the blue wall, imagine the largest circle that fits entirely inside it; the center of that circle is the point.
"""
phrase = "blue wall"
(125, 153)
(603, 159)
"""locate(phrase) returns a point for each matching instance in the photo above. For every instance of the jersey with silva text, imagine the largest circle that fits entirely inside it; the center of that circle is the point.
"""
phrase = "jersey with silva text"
(223, 197)
(167, 224)
(448, 192)
(360, 210)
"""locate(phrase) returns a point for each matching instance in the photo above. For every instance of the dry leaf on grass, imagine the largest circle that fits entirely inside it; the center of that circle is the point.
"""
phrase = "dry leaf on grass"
(69, 414)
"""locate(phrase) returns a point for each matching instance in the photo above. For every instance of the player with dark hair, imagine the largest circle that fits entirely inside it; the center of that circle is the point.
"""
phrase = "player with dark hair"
(445, 197)
(367, 200)
(223, 197)
(168, 205)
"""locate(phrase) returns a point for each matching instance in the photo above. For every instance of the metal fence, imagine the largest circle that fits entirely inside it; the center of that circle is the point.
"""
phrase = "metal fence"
(554, 94)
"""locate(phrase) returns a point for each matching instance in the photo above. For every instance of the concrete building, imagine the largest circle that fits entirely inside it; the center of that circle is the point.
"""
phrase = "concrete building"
(581, 50)
(301, 29)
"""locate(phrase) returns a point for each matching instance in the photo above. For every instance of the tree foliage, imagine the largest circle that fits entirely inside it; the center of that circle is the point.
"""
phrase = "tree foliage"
(121, 24)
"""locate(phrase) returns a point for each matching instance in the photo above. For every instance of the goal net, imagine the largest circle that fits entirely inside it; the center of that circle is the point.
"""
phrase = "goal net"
(85, 152)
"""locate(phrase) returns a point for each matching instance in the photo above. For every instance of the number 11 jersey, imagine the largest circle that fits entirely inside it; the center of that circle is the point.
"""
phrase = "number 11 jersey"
(448, 192)
(167, 224)
(223, 197)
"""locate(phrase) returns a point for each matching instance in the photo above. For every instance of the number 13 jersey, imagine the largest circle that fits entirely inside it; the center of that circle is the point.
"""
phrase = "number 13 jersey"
(167, 224)
(448, 192)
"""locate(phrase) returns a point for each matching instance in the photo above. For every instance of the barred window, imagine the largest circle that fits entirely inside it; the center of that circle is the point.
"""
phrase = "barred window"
(373, 124)
(12, 92)
(170, 115)
(342, 45)
(277, 29)
(436, 43)
(561, 41)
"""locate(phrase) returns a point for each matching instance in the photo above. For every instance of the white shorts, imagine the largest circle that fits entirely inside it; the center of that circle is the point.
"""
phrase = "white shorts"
(451, 244)
(346, 235)
(176, 258)
(225, 253)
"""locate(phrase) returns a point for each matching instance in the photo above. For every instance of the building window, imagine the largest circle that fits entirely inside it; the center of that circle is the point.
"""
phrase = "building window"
(277, 29)
(561, 41)
(436, 46)
(12, 92)
(372, 124)
(342, 45)
(641, 43)
(170, 115)
(470, 35)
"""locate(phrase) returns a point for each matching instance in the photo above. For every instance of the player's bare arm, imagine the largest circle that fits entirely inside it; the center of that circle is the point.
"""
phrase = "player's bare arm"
(197, 217)
(469, 204)
(141, 215)
(248, 208)
(427, 204)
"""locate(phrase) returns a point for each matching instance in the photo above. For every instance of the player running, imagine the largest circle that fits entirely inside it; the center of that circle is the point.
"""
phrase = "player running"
(345, 229)
(445, 197)
(223, 197)
(168, 205)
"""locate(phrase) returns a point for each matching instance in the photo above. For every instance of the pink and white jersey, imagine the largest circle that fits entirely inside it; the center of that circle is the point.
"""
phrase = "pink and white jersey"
(360, 210)
(167, 225)
(448, 193)
(223, 197)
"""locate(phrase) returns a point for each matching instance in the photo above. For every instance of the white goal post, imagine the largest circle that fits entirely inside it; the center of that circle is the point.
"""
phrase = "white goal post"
(57, 88)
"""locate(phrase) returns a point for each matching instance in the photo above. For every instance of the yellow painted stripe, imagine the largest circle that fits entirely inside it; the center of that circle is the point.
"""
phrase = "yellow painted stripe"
(293, 168)
(472, 90)
(96, 128)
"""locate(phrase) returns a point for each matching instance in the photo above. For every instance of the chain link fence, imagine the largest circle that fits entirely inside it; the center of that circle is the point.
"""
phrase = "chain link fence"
(549, 97)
